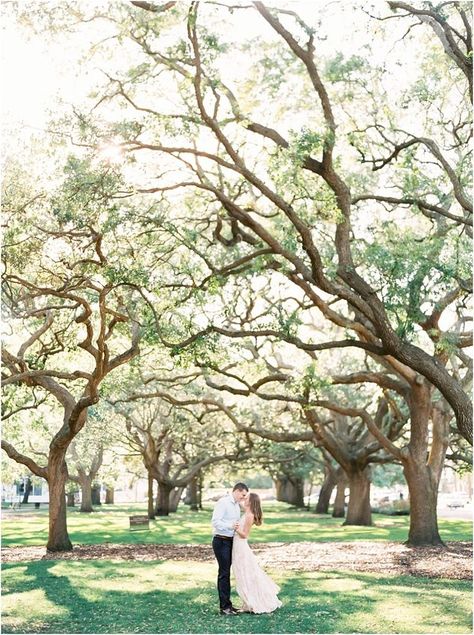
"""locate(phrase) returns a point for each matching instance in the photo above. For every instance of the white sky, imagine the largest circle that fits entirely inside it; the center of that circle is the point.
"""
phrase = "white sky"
(37, 71)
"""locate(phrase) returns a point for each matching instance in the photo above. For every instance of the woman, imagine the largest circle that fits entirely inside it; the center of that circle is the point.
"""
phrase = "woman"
(256, 590)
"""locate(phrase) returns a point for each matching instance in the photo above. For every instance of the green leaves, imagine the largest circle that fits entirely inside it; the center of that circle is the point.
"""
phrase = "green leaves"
(87, 194)
(313, 382)
(409, 271)
(288, 323)
(204, 351)
(340, 69)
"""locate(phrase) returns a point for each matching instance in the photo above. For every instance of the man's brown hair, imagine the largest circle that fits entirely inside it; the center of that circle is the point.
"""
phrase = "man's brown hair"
(241, 487)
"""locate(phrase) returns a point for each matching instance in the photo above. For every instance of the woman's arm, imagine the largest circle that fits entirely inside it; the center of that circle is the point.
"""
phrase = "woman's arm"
(245, 529)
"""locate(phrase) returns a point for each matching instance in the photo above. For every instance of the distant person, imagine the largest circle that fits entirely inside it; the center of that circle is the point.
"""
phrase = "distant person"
(225, 520)
(257, 591)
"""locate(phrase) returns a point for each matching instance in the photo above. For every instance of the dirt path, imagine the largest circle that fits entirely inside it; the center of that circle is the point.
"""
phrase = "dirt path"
(454, 561)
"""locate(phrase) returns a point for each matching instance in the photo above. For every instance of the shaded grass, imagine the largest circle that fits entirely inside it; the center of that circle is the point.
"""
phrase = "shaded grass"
(179, 597)
(281, 524)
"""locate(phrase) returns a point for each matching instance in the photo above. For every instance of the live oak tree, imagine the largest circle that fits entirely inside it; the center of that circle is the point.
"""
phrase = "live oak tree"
(257, 368)
(85, 474)
(72, 323)
(422, 415)
(333, 477)
(396, 302)
(426, 419)
(341, 430)
(292, 200)
(359, 206)
(290, 467)
(177, 438)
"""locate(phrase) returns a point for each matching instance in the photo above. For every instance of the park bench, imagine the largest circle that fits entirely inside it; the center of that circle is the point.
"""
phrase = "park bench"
(139, 522)
(15, 505)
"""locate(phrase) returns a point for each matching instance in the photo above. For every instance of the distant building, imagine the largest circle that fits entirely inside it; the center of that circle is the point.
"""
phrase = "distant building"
(453, 483)
(14, 493)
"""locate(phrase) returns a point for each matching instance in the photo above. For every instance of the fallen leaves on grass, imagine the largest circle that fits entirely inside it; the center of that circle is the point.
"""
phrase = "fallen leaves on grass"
(389, 558)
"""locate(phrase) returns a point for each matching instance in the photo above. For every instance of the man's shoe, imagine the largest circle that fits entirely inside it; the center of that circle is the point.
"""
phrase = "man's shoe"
(229, 611)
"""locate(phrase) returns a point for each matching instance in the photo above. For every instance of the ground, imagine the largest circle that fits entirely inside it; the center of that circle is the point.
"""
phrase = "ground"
(389, 558)
(333, 578)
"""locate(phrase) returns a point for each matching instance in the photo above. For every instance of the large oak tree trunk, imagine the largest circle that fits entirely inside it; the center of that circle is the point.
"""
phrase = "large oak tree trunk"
(358, 509)
(422, 470)
(193, 494)
(175, 498)
(423, 501)
(58, 537)
(163, 499)
(325, 493)
(95, 494)
(290, 490)
(28, 490)
(109, 495)
(70, 500)
(339, 509)
(280, 493)
(151, 507)
(86, 494)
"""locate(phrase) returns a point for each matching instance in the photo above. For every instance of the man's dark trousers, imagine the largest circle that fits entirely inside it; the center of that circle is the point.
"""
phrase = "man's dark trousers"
(223, 552)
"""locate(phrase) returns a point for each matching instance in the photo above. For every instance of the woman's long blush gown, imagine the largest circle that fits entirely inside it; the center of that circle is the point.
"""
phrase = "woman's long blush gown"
(256, 589)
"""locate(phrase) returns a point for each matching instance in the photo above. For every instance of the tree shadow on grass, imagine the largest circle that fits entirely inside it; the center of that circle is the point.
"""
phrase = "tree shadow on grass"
(97, 604)
(171, 597)
(347, 602)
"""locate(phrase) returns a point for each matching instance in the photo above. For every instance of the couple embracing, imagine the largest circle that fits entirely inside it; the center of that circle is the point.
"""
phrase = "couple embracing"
(230, 532)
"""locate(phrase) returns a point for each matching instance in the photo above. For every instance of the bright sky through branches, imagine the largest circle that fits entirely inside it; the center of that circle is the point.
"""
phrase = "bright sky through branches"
(38, 71)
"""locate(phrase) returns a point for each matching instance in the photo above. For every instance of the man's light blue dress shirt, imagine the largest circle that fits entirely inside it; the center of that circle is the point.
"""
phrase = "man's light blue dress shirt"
(226, 512)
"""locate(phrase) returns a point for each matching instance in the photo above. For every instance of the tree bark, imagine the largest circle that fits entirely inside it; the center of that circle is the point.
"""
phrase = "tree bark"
(151, 507)
(95, 494)
(423, 501)
(329, 483)
(109, 495)
(175, 498)
(192, 494)
(86, 494)
(58, 537)
(280, 493)
(339, 509)
(358, 510)
(28, 490)
(422, 466)
(70, 500)
(290, 490)
(200, 488)
(163, 499)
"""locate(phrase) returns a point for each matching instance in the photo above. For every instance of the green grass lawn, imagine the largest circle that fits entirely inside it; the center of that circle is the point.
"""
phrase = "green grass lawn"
(281, 523)
(106, 596)
(180, 597)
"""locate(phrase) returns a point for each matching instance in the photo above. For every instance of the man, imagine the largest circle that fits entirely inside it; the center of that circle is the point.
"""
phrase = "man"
(225, 520)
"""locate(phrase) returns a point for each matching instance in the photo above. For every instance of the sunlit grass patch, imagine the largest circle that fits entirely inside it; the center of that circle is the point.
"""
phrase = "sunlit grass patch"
(281, 524)
(180, 597)
(29, 608)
